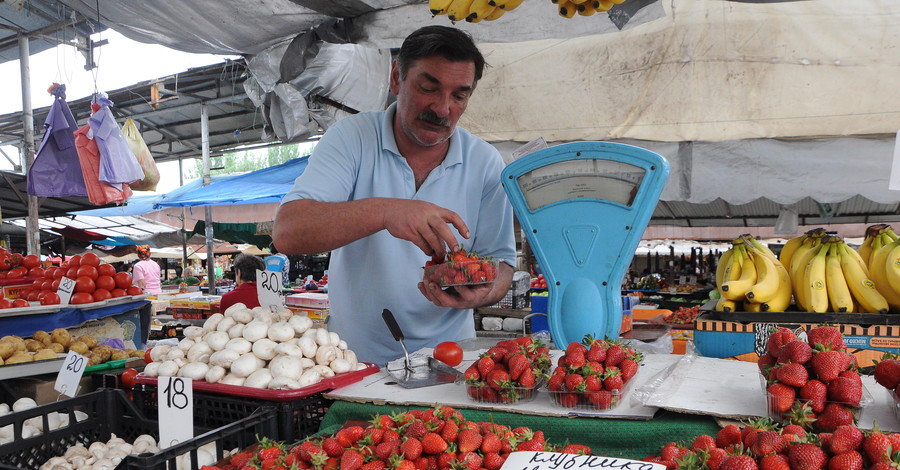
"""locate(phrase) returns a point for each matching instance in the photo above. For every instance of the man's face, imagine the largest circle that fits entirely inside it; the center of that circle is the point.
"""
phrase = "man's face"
(431, 99)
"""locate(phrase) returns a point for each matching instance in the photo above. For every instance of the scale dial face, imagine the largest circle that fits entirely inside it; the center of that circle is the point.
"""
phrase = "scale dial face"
(585, 178)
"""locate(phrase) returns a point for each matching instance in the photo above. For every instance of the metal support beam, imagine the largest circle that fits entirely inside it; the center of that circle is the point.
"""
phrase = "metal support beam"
(207, 179)
(32, 229)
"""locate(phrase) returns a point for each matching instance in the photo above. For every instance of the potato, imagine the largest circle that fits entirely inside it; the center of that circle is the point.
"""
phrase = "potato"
(61, 336)
(56, 347)
(93, 358)
(102, 350)
(20, 357)
(78, 347)
(136, 353)
(90, 340)
(42, 336)
(118, 354)
(32, 345)
(7, 349)
(2, 362)
(17, 341)
(45, 354)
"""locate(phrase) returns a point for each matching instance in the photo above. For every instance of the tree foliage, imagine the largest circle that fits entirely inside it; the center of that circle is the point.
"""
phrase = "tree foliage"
(249, 160)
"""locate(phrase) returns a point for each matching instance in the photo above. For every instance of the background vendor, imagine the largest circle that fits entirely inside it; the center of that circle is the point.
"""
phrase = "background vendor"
(146, 272)
(245, 267)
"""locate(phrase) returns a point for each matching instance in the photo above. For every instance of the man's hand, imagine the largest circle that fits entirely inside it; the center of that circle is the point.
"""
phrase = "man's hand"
(424, 224)
(472, 296)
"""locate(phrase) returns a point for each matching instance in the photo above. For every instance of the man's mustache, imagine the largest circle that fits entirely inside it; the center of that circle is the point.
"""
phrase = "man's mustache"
(431, 117)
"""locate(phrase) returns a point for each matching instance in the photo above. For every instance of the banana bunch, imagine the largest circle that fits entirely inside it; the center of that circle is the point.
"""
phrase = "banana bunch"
(472, 11)
(884, 268)
(569, 8)
(832, 277)
(877, 236)
(751, 278)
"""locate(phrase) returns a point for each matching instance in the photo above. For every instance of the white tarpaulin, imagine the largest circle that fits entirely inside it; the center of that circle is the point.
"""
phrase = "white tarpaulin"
(711, 70)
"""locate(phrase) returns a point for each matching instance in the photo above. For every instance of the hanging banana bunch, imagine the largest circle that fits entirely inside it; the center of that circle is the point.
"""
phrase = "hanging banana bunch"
(750, 278)
(877, 236)
(473, 11)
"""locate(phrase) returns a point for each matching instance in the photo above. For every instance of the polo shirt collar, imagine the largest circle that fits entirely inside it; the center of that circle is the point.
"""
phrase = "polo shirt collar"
(389, 143)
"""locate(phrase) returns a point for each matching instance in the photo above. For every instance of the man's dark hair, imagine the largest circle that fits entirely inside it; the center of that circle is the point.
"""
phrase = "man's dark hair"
(247, 265)
(450, 43)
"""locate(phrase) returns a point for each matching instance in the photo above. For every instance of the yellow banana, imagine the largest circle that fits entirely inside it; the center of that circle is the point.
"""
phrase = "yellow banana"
(724, 264)
(878, 274)
(605, 5)
(566, 8)
(511, 4)
(587, 9)
(892, 269)
(578, 2)
(801, 258)
(738, 288)
(839, 295)
(766, 278)
(875, 244)
(782, 299)
(752, 307)
(439, 7)
(725, 305)
(479, 10)
(817, 293)
(787, 251)
(459, 9)
(765, 250)
(865, 249)
(889, 231)
(497, 13)
(863, 289)
(618, 2)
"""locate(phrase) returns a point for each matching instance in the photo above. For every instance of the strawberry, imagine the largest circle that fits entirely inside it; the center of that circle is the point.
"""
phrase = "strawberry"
(612, 379)
(728, 435)
(351, 460)
(877, 447)
(602, 400)
(531, 445)
(446, 459)
(629, 368)
(816, 394)
(565, 399)
(774, 462)
(572, 382)
(527, 379)
(485, 364)
(850, 460)
(796, 351)
(472, 373)
(833, 416)
(269, 450)
(399, 463)
(614, 355)
(806, 456)
(241, 458)
(449, 431)
(497, 353)
(844, 439)
(387, 449)
(846, 391)
(715, 457)
(765, 363)
(306, 449)
(887, 373)
(332, 447)
(492, 461)
(374, 465)
(497, 378)
(470, 459)
(828, 364)
(593, 383)
(795, 430)
(792, 374)
(781, 397)
(411, 448)
(829, 337)
(739, 462)
(576, 348)
(490, 443)
(578, 449)
(596, 353)
(349, 435)
(703, 442)
(555, 383)
(517, 363)
(415, 430)
(778, 339)
(468, 440)
(766, 442)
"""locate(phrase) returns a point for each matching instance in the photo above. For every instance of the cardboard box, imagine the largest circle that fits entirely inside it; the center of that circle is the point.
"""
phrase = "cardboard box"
(12, 292)
(309, 299)
(40, 388)
(746, 341)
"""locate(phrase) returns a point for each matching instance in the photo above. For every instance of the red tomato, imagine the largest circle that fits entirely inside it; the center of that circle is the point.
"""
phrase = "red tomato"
(37, 284)
(106, 270)
(50, 298)
(101, 295)
(33, 296)
(72, 273)
(118, 292)
(2, 274)
(15, 273)
(87, 270)
(449, 353)
(59, 273)
(36, 272)
(20, 302)
(48, 273)
(85, 284)
(5, 303)
(16, 259)
(54, 285)
(31, 261)
(47, 285)
(134, 290)
(123, 280)
(128, 376)
(106, 282)
(90, 259)
(147, 358)
(74, 261)
(81, 298)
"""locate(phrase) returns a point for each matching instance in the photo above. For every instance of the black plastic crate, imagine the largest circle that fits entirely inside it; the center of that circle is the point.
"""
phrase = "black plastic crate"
(295, 419)
(108, 412)
(513, 301)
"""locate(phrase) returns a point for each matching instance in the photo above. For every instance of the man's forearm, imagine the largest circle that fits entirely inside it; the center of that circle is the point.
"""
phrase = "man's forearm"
(306, 226)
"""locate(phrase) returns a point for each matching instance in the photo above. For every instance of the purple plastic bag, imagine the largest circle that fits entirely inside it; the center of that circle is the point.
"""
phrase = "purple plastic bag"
(56, 171)
(117, 162)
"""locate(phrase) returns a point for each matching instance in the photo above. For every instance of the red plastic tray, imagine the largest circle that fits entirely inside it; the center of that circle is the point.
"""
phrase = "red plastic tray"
(327, 384)
(21, 281)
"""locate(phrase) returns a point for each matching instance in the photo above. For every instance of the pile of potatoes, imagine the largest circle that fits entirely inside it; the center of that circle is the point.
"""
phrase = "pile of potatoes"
(43, 345)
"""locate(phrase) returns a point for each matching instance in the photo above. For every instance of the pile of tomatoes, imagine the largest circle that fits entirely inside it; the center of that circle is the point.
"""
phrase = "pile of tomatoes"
(95, 281)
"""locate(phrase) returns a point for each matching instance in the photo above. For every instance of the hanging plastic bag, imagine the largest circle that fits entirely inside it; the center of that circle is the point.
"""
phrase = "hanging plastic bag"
(56, 171)
(99, 193)
(144, 157)
(117, 162)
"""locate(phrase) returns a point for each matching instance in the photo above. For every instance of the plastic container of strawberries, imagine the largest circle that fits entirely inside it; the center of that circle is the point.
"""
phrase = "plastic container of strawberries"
(600, 400)
(773, 412)
(462, 273)
(508, 396)
(325, 385)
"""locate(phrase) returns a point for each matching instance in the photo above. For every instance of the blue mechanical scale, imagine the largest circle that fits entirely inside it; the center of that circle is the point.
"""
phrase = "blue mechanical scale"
(583, 207)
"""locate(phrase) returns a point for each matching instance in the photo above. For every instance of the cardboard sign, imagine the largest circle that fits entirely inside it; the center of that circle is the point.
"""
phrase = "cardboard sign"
(69, 377)
(65, 289)
(176, 410)
(557, 461)
(268, 288)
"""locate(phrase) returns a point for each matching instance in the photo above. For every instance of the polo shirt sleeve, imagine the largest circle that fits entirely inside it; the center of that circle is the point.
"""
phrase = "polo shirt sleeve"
(333, 166)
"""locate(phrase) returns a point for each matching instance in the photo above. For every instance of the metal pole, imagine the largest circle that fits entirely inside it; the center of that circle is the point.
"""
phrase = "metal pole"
(32, 227)
(210, 256)
(184, 236)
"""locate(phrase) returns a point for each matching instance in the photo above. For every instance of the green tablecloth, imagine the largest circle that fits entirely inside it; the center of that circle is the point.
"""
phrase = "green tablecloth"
(608, 437)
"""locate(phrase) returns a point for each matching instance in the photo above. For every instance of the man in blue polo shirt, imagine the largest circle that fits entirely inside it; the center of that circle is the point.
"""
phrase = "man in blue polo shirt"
(387, 191)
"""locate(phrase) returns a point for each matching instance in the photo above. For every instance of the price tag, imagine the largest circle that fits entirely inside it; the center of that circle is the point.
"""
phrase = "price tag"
(176, 410)
(69, 378)
(66, 287)
(268, 288)
(557, 461)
